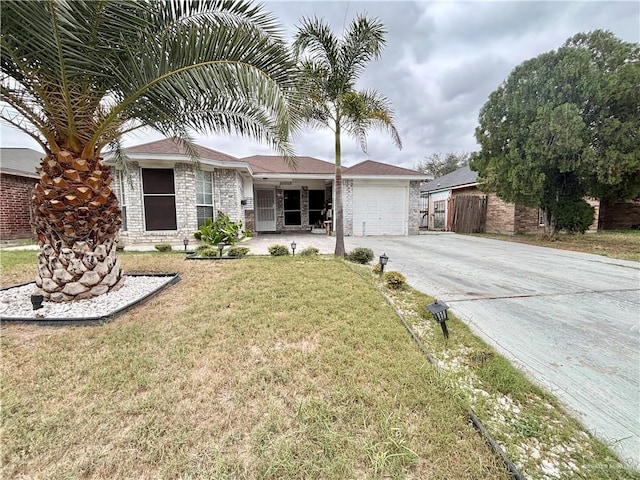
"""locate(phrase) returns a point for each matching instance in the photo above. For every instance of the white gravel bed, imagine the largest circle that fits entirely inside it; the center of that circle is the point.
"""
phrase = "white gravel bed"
(15, 302)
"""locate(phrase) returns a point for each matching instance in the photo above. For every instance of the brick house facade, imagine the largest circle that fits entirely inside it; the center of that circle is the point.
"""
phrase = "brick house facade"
(17, 178)
(167, 195)
(438, 199)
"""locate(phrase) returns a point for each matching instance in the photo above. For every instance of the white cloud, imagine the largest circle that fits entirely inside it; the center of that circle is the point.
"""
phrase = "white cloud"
(441, 62)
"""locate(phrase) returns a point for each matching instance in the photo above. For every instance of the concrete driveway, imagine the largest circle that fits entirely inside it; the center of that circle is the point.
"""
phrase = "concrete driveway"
(570, 320)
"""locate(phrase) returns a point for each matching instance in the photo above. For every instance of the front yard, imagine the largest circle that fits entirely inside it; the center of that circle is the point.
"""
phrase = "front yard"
(271, 368)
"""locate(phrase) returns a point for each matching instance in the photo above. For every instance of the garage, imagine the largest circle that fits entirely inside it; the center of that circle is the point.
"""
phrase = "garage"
(380, 209)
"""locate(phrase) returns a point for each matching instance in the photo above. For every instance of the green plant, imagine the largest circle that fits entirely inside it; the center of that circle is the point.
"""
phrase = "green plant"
(163, 247)
(278, 250)
(223, 229)
(377, 269)
(207, 251)
(238, 251)
(360, 255)
(394, 280)
(309, 252)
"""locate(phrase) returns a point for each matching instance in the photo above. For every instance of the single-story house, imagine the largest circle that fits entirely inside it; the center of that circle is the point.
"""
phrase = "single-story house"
(168, 196)
(17, 178)
(454, 202)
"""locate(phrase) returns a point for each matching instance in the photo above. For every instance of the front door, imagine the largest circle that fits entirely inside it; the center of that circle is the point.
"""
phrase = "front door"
(265, 210)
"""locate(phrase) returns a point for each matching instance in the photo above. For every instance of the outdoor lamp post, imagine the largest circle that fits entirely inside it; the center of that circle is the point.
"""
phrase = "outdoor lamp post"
(439, 311)
(293, 247)
(221, 246)
(185, 241)
(383, 261)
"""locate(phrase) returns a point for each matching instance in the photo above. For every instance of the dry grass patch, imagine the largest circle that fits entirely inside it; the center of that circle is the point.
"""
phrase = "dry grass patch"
(623, 244)
(269, 368)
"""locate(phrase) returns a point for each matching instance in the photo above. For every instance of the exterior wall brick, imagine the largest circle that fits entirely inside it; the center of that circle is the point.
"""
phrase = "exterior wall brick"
(15, 206)
(620, 215)
(227, 194)
(526, 220)
(500, 215)
(414, 208)
(347, 206)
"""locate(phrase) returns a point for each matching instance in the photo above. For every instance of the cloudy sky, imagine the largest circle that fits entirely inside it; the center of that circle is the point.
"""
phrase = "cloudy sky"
(442, 61)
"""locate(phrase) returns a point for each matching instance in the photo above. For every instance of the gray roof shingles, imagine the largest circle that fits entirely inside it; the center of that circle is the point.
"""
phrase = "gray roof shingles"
(462, 176)
(20, 161)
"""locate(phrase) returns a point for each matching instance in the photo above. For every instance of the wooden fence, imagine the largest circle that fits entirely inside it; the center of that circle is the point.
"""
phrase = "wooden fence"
(469, 213)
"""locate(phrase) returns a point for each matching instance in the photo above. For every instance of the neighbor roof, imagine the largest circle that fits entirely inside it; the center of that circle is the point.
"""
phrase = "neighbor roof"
(20, 161)
(169, 146)
(457, 178)
(371, 167)
(276, 164)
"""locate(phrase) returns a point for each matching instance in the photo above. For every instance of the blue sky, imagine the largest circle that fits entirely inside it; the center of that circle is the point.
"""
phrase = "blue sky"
(442, 61)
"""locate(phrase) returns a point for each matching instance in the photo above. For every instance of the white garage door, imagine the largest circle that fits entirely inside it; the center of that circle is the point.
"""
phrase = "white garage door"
(380, 210)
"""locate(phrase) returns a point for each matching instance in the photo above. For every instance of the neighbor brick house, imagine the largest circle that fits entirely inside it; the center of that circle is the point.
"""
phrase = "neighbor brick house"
(17, 178)
(454, 202)
(167, 196)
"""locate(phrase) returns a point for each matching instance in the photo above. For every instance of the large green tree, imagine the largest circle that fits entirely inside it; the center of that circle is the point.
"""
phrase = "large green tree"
(330, 69)
(565, 125)
(77, 75)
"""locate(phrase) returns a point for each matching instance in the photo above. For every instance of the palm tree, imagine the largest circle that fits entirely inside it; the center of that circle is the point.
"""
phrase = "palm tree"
(78, 75)
(330, 70)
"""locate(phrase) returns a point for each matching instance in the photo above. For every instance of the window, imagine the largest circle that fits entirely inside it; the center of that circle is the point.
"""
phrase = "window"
(122, 199)
(204, 196)
(292, 214)
(438, 214)
(316, 204)
(159, 199)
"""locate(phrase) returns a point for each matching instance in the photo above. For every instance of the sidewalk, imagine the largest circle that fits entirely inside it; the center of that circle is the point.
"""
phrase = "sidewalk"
(258, 244)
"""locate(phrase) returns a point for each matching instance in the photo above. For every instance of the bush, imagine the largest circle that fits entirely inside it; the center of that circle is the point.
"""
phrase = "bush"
(207, 251)
(222, 230)
(278, 250)
(360, 255)
(573, 215)
(394, 280)
(309, 252)
(377, 269)
(238, 251)
(164, 247)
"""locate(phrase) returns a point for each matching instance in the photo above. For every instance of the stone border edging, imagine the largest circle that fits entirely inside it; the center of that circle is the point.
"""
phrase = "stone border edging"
(473, 418)
(90, 321)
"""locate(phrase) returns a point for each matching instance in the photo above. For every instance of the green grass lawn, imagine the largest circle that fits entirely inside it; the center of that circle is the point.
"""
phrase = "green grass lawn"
(266, 368)
(623, 244)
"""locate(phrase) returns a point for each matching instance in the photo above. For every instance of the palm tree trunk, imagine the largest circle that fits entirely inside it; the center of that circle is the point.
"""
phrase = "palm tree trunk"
(76, 219)
(339, 252)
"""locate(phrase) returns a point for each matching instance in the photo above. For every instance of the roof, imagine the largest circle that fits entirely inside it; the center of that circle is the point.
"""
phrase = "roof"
(169, 146)
(370, 167)
(20, 161)
(457, 178)
(276, 164)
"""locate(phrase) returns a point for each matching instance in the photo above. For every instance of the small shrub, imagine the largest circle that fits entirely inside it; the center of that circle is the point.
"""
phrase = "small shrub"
(377, 269)
(238, 251)
(207, 251)
(223, 229)
(164, 247)
(278, 250)
(394, 280)
(360, 255)
(309, 252)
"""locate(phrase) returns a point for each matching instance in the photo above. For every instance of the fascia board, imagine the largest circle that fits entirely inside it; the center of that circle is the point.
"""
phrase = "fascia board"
(171, 160)
(383, 177)
(293, 176)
